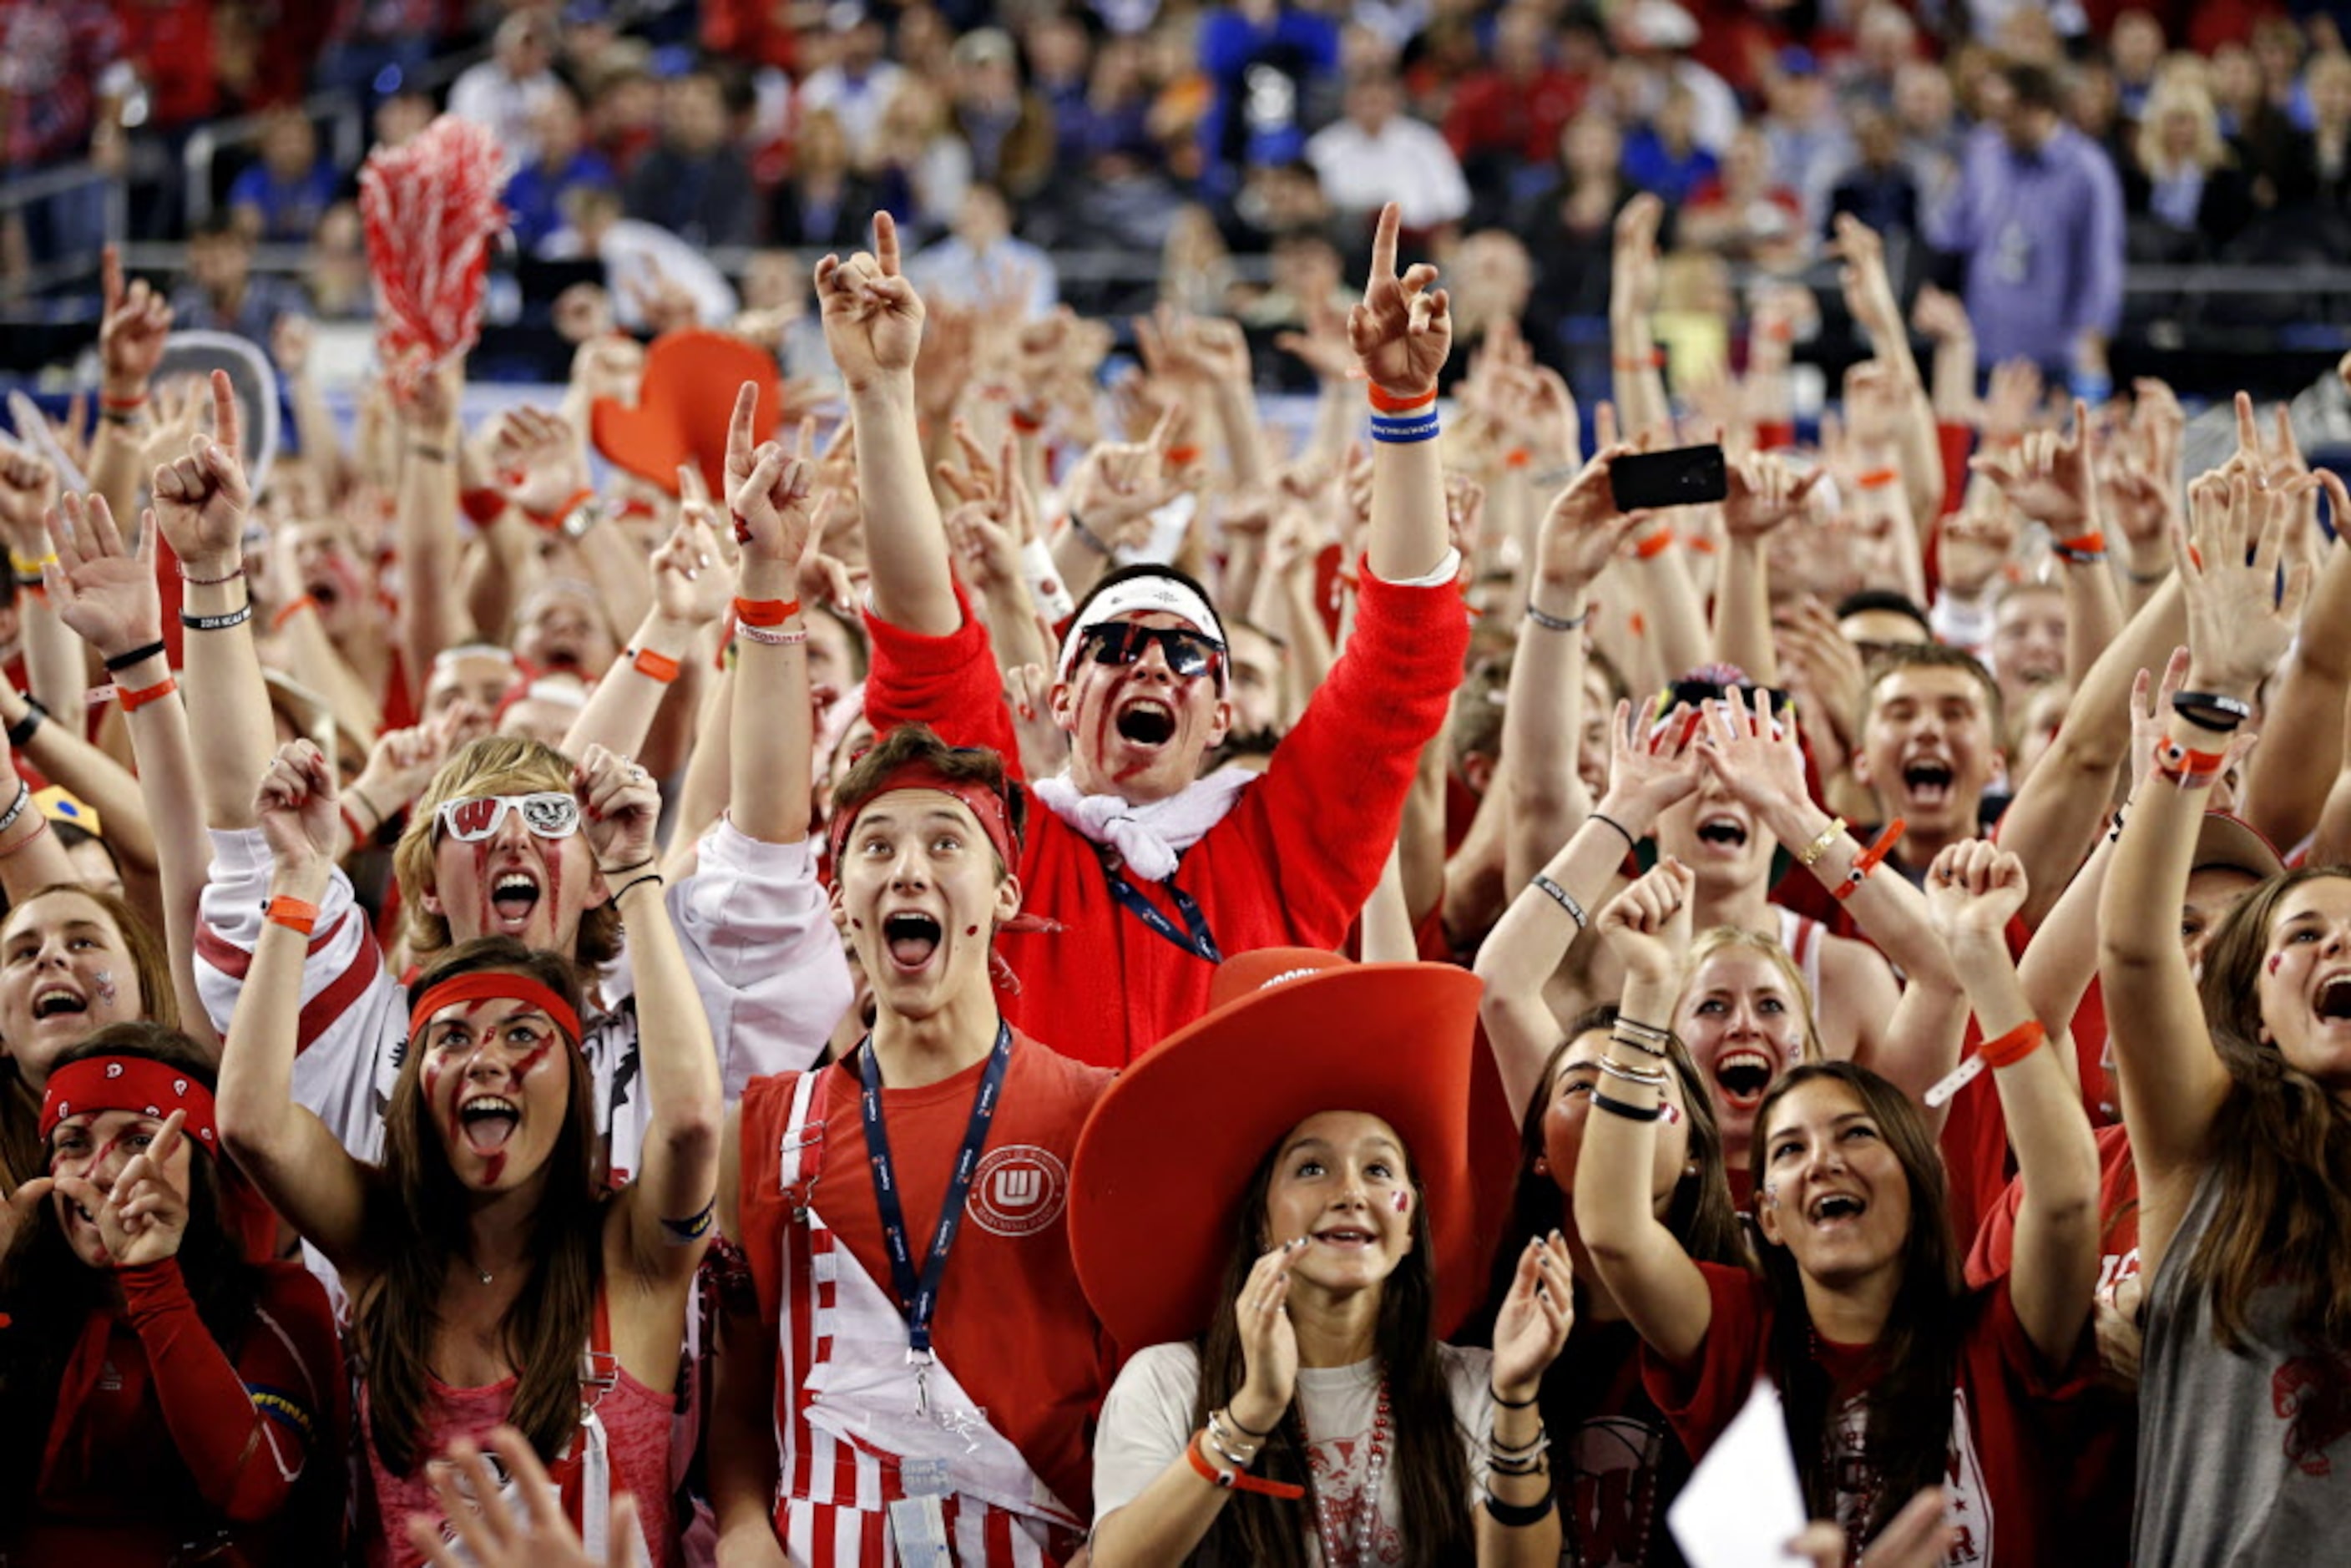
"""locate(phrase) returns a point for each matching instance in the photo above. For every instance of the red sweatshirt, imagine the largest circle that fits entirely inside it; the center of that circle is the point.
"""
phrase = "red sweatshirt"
(1290, 865)
(174, 1440)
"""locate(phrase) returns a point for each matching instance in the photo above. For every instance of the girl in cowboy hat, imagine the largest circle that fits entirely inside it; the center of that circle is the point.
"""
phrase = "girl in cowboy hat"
(1894, 1374)
(494, 1275)
(163, 1397)
(1268, 1202)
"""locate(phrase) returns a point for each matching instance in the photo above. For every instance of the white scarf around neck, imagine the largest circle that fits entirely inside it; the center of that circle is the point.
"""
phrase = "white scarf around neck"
(1148, 838)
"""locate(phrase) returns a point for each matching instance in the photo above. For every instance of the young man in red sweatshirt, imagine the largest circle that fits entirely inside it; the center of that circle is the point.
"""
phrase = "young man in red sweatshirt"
(1154, 873)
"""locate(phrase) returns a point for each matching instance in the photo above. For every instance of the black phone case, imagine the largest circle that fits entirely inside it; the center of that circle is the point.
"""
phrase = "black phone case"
(1685, 476)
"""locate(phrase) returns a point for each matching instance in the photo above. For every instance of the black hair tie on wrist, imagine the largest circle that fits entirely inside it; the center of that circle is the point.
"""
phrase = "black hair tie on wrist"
(121, 661)
(20, 733)
(1519, 1515)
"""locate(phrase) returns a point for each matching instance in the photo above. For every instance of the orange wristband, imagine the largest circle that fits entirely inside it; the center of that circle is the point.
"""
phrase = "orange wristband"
(2015, 1045)
(1517, 458)
(133, 699)
(2082, 549)
(293, 913)
(292, 608)
(1657, 544)
(1866, 862)
(1235, 1480)
(766, 611)
(1878, 478)
(1654, 361)
(653, 667)
(554, 519)
(1388, 402)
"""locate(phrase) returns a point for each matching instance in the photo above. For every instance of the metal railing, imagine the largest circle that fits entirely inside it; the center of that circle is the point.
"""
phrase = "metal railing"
(101, 190)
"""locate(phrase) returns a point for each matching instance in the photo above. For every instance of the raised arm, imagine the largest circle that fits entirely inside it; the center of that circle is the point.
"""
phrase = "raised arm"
(107, 593)
(769, 716)
(689, 584)
(1525, 948)
(2289, 786)
(433, 617)
(1869, 295)
(200, 501)
(1764, 494)
(2173, 1081)
(1912, 1038)
(1639, 381)
(873, 326)
(1973, 889)
(295, 1162)
(1402, 331)
(668, 1208)
(1543, 720)
(130, 336)
(1640, 1260)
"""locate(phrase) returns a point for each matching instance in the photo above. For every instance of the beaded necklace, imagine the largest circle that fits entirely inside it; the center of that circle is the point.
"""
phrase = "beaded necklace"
(1328, 1523)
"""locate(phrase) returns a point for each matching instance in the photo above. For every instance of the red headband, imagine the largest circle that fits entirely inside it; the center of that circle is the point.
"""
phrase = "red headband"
(483, 985)
(984, 803)
(138, 1083)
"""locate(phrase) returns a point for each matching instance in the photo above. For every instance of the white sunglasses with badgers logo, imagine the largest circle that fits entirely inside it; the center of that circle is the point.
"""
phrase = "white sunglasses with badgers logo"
(548, 813)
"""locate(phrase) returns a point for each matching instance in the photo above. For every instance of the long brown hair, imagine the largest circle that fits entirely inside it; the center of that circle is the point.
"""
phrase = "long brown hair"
(2282, 1146)
(22, 1155)
(545, 1331)
(48, 1293)
(1431, 1470)
(1909, 1405)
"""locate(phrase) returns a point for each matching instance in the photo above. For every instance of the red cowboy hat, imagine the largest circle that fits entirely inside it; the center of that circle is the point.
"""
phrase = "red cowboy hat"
(1159, 1169)
(684, 405)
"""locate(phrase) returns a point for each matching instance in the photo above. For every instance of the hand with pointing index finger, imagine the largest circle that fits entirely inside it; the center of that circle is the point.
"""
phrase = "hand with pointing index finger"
(872, 316)
(144, 1216)
(769, 498)
(1403, 330)
(201, 499)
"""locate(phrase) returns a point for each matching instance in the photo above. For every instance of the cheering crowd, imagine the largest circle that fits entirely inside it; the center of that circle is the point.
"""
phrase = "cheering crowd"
(1012, 976)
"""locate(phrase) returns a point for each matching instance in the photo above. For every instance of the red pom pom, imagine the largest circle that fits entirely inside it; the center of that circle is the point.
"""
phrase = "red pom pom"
(431, 210)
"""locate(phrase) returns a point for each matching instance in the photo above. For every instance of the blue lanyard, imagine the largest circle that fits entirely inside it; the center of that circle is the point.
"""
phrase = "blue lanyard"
(1194, 938)
(919, 1297)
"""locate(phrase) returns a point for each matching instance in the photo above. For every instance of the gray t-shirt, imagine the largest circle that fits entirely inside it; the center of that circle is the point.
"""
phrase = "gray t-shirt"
(2243, 1458)
(1147, 1420)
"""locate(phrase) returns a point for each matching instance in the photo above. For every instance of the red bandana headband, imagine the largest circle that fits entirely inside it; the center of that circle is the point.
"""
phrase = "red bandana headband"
(485, 985)
(135, 1083)
(984, 803)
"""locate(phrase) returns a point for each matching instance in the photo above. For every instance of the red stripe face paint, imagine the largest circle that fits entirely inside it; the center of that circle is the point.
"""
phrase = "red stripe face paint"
(2276, 959)
(494, 1162)
(1402, 1201)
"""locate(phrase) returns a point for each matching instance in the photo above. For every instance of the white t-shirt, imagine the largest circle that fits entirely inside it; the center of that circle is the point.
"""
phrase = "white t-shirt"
(1147, 1420)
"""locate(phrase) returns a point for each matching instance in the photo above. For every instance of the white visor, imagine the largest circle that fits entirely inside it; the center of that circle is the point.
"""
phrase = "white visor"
(1141, 596)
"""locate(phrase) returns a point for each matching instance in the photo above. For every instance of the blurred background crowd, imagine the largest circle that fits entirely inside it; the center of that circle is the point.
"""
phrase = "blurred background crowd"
(685, 156)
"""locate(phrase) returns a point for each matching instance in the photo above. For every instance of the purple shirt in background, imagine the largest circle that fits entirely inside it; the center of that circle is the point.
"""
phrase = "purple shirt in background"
(2043, 232)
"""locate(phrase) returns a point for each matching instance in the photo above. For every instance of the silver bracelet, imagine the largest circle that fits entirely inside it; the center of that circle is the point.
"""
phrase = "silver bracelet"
(1550, 622)
(1654, 1078)
(1563, 898)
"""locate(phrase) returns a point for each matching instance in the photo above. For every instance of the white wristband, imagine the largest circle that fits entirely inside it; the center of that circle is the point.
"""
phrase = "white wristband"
(1045, 584)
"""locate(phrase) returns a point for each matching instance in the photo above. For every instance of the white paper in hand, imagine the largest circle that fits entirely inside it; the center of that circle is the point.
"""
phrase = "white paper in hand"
(1743, 1503)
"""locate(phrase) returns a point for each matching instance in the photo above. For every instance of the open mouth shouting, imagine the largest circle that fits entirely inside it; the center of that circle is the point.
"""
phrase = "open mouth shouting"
(1723, 834)
(911, 939)
(1927, 781)
(1835, 1210)
(1742, 1075)
(515, 895)
(2331, 1001)
(1146, 721)
(488, 1121)
(58, 999)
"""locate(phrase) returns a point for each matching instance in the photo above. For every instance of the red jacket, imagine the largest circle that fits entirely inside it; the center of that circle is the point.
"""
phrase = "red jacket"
(1290, 865)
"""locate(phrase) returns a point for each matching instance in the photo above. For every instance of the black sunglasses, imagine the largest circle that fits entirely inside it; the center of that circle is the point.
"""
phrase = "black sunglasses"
(1188, 652)
(1697, 693)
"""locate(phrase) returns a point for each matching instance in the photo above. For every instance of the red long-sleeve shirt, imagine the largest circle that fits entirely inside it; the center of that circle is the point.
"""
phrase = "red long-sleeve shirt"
(1290, 865)
(176, 1442)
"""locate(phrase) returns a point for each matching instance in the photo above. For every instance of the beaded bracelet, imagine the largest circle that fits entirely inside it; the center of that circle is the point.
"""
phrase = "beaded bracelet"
(210, 581)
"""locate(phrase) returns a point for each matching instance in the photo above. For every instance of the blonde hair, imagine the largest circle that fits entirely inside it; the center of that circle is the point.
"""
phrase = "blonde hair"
(495, 764)
(1712, 942)
(2173, 95)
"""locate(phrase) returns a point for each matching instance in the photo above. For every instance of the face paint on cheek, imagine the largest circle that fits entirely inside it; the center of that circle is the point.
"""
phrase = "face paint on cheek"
(2276, 959)
(494, 1166)
(104, 981)
(482, 884)
(1403, 1202)
(1770, 1194)
(554, 899)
